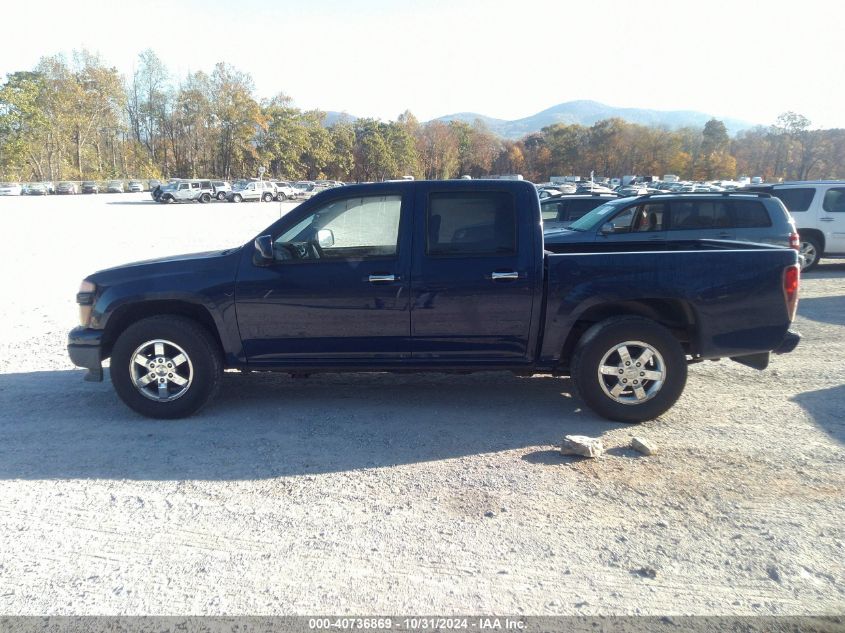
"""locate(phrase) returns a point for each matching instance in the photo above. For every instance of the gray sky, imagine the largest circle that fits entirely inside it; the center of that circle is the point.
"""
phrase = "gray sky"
(748, 60)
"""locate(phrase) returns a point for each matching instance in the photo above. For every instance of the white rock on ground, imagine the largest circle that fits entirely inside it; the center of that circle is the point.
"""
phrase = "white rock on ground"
(644, 446)
(581, 445)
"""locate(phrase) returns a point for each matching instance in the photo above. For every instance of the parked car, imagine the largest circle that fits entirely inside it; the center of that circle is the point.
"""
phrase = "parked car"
(285, 190)
(11, 189)
(666, 217)
(631, 190)
(37, 189)
(591, 187)
(547, 192)
(66, 188)
(435, 275)
(561, 211)
(312, 190)
(818, 208)
(301, 186)
(262, 190)
(221, 189)
(115, 186)
(135, 186)
(89, 186)
(187, 191)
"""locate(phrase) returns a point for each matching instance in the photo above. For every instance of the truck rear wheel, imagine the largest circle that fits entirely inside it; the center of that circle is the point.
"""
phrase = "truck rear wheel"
(166, 367)
(629, 369)
(221, 195)
(206, 197)
(267, 197)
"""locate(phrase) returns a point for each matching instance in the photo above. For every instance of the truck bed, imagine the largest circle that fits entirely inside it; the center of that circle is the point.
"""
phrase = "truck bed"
(744, 313)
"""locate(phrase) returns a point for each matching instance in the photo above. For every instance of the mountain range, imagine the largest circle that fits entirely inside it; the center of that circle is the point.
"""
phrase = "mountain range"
(583, 113)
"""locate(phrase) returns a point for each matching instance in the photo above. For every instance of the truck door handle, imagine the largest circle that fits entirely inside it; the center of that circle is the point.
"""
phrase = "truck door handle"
(498, 275)
(826, 219)
(724, 235)
(380, 279)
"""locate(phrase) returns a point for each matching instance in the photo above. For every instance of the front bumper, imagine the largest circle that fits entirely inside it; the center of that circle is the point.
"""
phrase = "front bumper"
(84, 349)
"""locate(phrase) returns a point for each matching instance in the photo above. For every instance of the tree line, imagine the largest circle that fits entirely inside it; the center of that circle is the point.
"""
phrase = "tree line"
(78, 118)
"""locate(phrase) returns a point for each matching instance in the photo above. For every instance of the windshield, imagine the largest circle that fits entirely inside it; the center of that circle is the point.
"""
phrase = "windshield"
(596, 216)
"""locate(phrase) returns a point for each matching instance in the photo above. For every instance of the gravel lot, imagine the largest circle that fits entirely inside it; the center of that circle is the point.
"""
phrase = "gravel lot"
(371, 493)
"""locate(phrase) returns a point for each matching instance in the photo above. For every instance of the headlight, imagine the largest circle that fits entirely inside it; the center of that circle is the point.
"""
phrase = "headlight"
(85, 299)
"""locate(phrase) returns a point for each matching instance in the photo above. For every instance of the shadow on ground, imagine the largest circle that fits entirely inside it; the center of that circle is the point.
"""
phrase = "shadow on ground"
(826, 407)
(827, 269)
(823, 309)
(54, 425)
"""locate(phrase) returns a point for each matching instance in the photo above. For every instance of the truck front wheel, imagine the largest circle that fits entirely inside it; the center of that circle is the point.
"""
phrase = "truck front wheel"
(629, 369)
(166, 367)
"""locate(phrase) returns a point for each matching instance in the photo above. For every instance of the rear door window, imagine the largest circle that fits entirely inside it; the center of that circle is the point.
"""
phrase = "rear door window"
(834, 200)
(749, 214)
(699, 214)
(795, 200)
(471, 223)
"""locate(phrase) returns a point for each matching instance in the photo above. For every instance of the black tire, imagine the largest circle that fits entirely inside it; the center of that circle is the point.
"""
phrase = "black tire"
(221, 195)
(267, 197)
(237, 198)
(602, 339)
(811, 249)
(166, 199)
(281, 197)
(206, 197)
(204, 360)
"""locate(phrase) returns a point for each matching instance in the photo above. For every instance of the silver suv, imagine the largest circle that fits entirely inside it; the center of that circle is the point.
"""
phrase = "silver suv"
(187, 191)
(663, 217)
(262, 190)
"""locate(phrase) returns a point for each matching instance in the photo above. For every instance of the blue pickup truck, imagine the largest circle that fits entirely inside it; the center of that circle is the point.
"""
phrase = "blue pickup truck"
(435, 276)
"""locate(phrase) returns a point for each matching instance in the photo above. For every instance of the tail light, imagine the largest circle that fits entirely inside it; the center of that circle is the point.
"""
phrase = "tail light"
(794, 241)
(791, 283)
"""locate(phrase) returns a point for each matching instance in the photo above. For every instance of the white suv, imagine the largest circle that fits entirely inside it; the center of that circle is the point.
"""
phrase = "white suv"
(254, 190)
(284, 190)
(818, 207)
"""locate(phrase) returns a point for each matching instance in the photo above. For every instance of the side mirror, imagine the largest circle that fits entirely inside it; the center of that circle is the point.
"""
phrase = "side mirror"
(607, 228)
(325, 238)
(263, 250)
